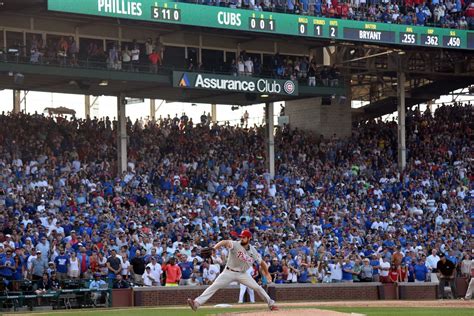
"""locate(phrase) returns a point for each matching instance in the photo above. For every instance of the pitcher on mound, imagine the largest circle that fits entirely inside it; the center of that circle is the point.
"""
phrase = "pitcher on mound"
(241, 257)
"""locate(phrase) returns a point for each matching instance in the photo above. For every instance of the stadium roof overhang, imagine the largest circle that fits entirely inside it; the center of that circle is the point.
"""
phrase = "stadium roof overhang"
(97, 82)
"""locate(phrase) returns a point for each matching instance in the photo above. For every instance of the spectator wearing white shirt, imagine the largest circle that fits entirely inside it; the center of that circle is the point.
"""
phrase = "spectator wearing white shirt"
(194, 256)
(336, 271)
(210, 272)
(9, 242)
(126, 267)
(155, 269)
(148, 278)
(384, 269)
(249, 66)
(126, 58)
(240, 67)
(432, 263)
(432, 260)
(135, 57)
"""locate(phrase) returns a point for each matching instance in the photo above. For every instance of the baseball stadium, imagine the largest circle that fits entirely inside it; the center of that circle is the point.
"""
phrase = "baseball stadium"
(237, 157)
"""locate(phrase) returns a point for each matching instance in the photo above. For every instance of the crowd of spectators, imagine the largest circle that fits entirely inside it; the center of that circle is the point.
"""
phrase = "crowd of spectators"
(338, 210)
(299, 69)
(149, 58)
(457, 14)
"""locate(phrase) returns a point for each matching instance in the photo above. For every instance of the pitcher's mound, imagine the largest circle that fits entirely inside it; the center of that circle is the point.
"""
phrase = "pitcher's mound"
(292, 312)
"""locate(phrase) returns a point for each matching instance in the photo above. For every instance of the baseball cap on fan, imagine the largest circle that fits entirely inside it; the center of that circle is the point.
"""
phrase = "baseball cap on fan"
(245, 233)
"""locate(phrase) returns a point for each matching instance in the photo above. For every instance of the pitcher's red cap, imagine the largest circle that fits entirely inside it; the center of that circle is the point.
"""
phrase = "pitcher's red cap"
(245, 233)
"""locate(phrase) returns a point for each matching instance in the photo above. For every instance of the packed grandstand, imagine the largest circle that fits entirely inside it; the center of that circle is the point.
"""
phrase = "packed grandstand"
(440, 13)
(338, 210)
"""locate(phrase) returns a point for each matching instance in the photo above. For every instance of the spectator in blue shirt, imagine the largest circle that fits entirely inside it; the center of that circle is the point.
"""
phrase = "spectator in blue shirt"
(420, 270)
(290, 4)
(62, 265)
(303, 276)
(420, 17)
(375, 263)
(7, 265)
(347, 267)
(187, 268)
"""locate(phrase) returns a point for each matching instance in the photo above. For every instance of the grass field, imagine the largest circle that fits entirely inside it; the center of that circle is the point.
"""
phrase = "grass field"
(369, 311)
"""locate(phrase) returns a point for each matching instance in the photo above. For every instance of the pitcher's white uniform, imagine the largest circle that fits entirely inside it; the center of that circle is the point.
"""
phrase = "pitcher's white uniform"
(244, 288)
(238, 262)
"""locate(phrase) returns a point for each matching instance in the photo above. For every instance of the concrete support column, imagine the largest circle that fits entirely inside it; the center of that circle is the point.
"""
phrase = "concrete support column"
(16, 101)
(152, 110)
(213, 113)
(121, 135)
(270, 138)
(328, 55)
(402, 149)
(87, 106)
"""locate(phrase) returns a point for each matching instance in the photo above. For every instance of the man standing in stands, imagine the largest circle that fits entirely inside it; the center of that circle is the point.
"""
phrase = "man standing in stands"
(38, 267)
(155, 269)
(62, 264)
(7, 265)
(138, 267)
(384, 270)
(173, 272)
(114, 265)
(420, 270)
(154, 58)
(432, 263)
(186, 270)
(446, 273)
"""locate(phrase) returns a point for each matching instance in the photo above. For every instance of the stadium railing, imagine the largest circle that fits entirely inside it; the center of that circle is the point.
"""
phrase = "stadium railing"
(15, 56)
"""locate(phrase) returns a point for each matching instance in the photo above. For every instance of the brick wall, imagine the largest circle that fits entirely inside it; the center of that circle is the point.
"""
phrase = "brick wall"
(418, 291)
(285, 292)
(178, 295)
(291, 292)
(325, 292)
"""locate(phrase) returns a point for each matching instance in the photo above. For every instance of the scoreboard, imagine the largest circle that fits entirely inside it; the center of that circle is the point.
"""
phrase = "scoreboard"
(269, 22)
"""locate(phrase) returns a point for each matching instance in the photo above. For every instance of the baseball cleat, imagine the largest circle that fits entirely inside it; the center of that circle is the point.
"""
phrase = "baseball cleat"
(192, 304)
(274, 308)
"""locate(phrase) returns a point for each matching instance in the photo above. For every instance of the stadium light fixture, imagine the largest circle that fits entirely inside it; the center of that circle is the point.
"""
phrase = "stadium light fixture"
(104, 83)
(264, 96)
(367, 57)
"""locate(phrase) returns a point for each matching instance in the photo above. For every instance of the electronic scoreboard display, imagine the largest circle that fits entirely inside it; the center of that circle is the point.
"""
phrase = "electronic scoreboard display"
(269, 22)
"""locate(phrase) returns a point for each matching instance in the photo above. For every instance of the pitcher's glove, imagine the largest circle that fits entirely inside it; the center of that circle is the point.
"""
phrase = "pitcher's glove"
(206, 252)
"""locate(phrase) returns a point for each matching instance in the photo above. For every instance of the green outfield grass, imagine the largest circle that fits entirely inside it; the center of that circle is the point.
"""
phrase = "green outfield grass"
(369, 311)
(405, 311)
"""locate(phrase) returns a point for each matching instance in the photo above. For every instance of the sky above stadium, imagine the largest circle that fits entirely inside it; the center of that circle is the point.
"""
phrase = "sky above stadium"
(107, 106)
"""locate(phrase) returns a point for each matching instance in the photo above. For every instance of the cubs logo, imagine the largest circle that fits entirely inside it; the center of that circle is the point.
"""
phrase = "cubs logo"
(289, 87)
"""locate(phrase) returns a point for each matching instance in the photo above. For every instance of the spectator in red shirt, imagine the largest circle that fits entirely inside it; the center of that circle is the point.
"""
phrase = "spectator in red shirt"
(154, 58)
(173, 272)
(403, 273)
(393, 274)
(344, 10)
(470, 11)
